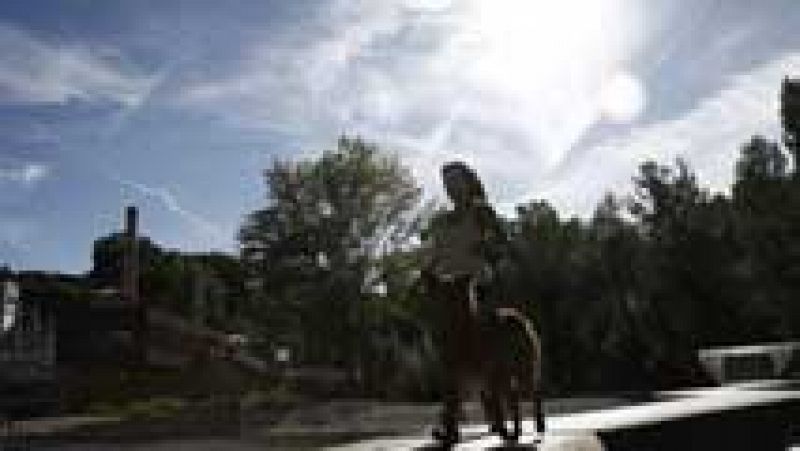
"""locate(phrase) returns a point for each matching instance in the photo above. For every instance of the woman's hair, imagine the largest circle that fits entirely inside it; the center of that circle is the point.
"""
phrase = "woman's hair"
(476, 193)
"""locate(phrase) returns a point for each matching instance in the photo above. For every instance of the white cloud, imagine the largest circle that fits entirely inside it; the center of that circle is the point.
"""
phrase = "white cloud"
(502, 84)
(499, 83)
(26, 174)
(35, 71)
(708, 136)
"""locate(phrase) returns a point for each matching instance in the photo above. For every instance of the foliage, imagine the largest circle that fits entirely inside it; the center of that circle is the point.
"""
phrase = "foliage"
(206, 287)
(622, 300)
(313, 252)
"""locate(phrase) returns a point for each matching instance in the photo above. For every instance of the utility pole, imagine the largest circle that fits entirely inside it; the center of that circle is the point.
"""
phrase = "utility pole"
(130, 285)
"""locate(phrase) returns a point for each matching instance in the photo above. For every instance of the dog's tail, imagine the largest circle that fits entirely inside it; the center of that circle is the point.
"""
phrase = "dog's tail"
(532, 338)
(531, 367)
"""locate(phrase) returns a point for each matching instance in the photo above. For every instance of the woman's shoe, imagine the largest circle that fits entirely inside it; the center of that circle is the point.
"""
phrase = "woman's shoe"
(446, 436)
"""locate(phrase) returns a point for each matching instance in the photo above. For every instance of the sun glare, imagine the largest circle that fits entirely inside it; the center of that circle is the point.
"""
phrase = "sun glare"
(622, 98)
(556, 63)
(569, 42)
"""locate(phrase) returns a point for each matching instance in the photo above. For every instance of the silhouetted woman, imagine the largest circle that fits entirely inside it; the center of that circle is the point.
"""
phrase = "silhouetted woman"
(466, 244)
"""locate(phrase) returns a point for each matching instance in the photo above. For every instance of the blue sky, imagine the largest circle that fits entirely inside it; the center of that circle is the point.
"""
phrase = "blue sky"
(178, 106)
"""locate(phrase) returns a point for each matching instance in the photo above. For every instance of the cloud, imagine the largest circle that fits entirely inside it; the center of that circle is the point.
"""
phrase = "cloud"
(505, 86)
(437, 80)
(708, 136)
(33, 70)
(26, 174)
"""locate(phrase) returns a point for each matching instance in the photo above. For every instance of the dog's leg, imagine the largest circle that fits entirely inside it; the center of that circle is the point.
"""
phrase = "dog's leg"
(447, 433)
(540, 427)
(536, 348)
(493, 411)
(514, 401)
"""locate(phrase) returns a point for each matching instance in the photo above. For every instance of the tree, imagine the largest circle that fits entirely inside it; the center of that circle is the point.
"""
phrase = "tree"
(760, 160)
(176, 281)
(687, 259)
(790, 118)
(621, 269)
(311, 253)
(766, 200)
(107, 257)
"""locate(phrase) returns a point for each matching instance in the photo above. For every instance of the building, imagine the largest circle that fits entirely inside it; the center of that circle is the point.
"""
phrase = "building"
(27, 354)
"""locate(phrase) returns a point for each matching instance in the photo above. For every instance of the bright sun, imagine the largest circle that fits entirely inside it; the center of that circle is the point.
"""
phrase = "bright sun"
(622, 98)
(553, 50)
(542, 72)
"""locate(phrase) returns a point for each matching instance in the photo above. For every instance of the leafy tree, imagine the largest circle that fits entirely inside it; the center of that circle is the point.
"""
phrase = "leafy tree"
(673, 212)
(767, 198)
(176, 281)
(108, 254)
(312, 251)
(790, 118)
(760, 160)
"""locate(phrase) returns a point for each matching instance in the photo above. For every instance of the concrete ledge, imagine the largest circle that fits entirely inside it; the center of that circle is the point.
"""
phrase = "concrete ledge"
(727, 418)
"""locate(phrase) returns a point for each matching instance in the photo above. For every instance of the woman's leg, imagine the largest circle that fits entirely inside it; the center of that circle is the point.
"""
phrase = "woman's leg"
(451, 410)
(495, 372)
(452, 354)
(491, 398)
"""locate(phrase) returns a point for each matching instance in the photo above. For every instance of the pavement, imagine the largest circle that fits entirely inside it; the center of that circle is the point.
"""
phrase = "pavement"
(582, 430)
(305, 426)
(572, 424)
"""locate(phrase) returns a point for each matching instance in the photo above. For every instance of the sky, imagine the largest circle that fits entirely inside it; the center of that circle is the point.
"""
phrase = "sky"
(178, 106)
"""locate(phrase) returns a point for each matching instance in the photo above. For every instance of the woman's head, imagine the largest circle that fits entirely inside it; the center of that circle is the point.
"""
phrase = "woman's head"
(462, 184)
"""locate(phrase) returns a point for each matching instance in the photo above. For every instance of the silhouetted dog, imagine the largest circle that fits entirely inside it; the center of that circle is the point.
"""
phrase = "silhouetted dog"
(516, 358)
(498, 348)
